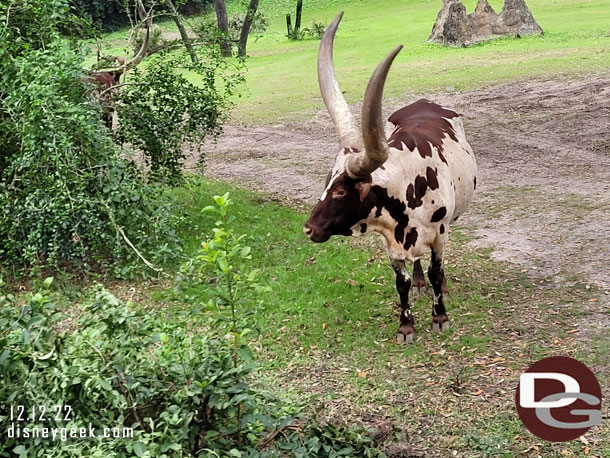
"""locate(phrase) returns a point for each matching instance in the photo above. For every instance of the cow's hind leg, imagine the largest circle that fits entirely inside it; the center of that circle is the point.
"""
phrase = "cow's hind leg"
(406, 331)
(436, 275)
(419, 281)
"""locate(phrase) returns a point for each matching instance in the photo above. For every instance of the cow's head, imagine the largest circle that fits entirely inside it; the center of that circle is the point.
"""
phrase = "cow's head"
(347, 199)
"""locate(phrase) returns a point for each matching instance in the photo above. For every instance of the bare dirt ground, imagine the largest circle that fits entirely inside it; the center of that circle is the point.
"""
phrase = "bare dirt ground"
(543, 151)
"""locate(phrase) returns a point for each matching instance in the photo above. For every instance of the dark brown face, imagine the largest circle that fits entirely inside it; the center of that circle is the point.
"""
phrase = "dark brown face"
(346, 202)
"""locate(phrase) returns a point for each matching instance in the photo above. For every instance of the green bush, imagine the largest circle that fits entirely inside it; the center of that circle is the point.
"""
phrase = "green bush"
(315, 29)
(65, 190)
(156, 40)
(174, 383)
(162, 108)
(67, 196)
(207, 31)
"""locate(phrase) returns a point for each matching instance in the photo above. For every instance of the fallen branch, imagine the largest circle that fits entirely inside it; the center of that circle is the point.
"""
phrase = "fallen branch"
(295, 426)
(148, 264)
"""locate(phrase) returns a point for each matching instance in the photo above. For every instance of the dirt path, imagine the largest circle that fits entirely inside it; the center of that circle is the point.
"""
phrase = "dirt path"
(543, 150)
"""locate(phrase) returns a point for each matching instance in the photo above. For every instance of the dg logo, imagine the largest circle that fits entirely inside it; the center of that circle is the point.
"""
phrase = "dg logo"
(559, 399)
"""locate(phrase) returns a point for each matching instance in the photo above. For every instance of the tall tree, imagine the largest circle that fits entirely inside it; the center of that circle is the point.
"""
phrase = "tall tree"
(223, 25)
(245, 29)
(297, 22)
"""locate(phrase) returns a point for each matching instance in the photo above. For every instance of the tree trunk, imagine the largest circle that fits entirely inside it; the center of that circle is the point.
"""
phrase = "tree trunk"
(288, 25)
(245, 29)
(297, 22)
(223, 25)
(185, 38)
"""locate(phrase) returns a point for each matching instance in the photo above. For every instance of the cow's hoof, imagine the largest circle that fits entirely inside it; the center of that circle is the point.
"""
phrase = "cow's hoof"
(405, 335)
(419, 289)
(440, 323)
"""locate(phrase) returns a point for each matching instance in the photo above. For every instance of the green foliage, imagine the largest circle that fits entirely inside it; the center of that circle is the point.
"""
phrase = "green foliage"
(116, 366)
(110, 14)
(236, 296)
(65, 191)
(161, 108)
(296, 34)
(224, 260)
(155, 39)
(208, 32)
(315, 29)
(330, 441)
(30, 24)
(227, 259)
(490, 445)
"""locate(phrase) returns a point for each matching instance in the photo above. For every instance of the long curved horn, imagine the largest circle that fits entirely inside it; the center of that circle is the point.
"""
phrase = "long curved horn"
(331, 94)
(376, 149)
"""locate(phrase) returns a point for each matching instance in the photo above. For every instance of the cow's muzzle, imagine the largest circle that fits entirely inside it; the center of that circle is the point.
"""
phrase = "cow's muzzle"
(315, 234)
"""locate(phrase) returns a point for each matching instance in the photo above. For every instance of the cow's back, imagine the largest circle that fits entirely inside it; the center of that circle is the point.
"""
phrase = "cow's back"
(437, 135)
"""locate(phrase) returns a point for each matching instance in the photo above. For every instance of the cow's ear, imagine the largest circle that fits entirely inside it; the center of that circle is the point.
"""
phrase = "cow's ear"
(363, 189)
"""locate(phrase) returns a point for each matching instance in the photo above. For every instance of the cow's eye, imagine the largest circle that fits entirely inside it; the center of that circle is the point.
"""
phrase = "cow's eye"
(339, 193)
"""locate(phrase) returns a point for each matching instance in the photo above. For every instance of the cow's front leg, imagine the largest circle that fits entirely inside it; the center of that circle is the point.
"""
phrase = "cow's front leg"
(436, 275)
(406, 331)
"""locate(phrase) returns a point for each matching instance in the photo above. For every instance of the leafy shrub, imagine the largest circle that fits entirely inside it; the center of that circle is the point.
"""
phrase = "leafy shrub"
(491, 445)
(110, 14)
(207, 31)
(118, 367)
(66, 194)
(162, 107)
(315, 29)
(296, 34)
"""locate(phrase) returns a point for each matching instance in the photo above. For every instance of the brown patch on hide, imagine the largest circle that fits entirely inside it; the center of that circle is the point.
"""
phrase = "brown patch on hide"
(422, 125)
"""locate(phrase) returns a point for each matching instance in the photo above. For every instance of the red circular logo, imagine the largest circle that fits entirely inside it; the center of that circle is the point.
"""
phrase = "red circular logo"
(559, 399)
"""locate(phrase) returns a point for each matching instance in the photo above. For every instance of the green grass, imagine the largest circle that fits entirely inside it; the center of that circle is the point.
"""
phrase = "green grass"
(281, 79)
(325, 336)
(327, 329)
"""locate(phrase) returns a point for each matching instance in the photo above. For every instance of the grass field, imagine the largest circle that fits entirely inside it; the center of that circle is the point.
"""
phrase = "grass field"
(328, 325)
(281, 79)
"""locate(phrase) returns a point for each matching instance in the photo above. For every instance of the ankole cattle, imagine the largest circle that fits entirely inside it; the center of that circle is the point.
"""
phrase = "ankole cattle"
(408, 187)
